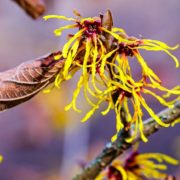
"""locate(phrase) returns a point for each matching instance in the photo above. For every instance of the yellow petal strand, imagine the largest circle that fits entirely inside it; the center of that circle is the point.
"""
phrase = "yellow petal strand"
(167, 95)
(118, 117)
(49, 89)
(58, 31)
(109, 90)
(91, 112)
(101, 176)
(118, 106)
(46, 91)
(124, 63)
(106, 111)
(155, 156)
(126, 107)
(127, 64)
(58, 17)
(86, 57)
(75, 95)
(103, 49)
(160, 166)
(122, 172)
(148, 164)
(177, 121)
(119, 60)
(159, 157)
(132, 176)
(160, 43)
(104, 59)
(141, 128)
(75, 48)
(57, 57)
(67, 45)
(130, 139)
(121, 76)
(94, 64)
(169, 159)
(95, 86)
(160, 99)
(91, 91)
(115, 29)
(95, 54)
(173, 57)
(160, 49)
(152, 114)
(116, 85)
(86, 96)
(136, 117)
(116, 36)
(72, 72)
(146, 69)
(69, 60)
(67, 64)
(58, 80)
(119, 124)
(67, 107)
(152, 173)
(156, 85)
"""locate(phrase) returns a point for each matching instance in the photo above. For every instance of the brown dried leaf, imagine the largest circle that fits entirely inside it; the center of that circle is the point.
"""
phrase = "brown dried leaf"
(23, 82)
(34, 8)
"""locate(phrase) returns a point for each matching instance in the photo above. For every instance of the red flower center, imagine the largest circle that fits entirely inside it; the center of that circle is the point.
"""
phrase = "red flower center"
(130, 160)
(114, 174)
(127, 49)
(91, 27)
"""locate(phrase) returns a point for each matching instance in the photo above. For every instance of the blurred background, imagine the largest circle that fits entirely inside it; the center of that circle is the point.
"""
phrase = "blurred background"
(38, 139)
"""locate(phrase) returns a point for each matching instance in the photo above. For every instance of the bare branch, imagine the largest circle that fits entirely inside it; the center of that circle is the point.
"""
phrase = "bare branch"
(23, 82)
(34, 8)
(113, 150)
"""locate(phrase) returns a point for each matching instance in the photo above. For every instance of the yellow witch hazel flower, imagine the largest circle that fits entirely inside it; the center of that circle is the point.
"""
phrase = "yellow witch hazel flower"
(128, 90)
(139, 167)
(102, 53)
(132, 92)
(85, 50)
(130, 46)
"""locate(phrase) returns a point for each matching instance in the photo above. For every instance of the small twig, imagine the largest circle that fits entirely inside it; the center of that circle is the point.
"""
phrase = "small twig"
(113, 150)
(34, 8)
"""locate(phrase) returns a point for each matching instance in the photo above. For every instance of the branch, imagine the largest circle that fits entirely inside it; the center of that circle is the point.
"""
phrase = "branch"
(34, 8)
(25, 81)
(113, 150)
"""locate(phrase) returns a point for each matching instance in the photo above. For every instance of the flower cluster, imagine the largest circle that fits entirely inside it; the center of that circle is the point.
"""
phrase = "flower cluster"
(102, 54)
(138, 167)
